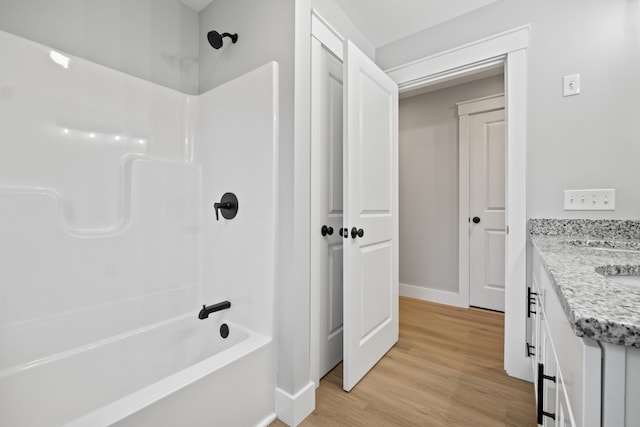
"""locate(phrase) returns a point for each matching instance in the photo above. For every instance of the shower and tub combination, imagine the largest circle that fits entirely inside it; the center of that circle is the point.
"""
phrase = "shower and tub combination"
(129, 294)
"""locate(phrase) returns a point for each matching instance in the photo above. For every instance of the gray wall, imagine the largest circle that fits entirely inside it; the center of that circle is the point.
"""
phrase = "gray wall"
(152, 39)
(265, 33)
(429, 173)
(587, 141)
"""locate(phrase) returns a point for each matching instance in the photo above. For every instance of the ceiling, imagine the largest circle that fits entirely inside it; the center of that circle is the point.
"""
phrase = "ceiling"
(384, 21)
(196, 5)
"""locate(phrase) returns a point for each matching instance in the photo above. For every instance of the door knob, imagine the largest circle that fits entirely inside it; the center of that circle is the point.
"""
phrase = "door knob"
(476, 219)
(326, 230)
(343, 232)
(357, 232)
(228, 205)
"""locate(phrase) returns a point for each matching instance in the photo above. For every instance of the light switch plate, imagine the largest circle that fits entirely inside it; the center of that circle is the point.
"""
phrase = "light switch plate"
(590, 200)
(571, 84)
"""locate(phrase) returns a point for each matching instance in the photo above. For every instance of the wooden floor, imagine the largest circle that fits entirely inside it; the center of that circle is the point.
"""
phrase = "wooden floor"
(446, 370)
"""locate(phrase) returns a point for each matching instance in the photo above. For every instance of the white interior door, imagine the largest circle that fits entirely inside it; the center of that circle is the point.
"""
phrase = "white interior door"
(487, 210)
(327, 209)
(370, 214)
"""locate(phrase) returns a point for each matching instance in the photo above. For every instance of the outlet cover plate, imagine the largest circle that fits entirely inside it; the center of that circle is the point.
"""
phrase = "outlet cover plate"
(590, 200)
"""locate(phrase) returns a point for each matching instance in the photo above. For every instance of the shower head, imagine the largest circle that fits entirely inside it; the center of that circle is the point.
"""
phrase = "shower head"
(215, 39)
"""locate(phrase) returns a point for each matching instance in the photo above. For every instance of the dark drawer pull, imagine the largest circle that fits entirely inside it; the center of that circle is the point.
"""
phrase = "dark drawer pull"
(531, 299)
(541, 378)
(530, 349)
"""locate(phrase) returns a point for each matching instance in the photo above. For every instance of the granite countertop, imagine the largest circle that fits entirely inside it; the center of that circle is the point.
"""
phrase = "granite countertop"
(596, 306)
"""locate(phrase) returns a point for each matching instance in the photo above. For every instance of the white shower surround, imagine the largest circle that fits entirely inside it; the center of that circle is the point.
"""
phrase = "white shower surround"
(108, 238)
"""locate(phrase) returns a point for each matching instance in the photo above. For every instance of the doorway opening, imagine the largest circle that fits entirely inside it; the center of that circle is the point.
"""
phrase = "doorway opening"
(510, 49)
(452, 187)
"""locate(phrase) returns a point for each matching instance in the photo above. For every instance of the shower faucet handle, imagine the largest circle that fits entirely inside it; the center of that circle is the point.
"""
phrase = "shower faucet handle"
(228, 205)
(220, 205)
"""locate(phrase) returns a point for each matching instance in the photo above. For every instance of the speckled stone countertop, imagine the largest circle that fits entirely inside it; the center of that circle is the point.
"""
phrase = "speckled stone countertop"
(596, 305)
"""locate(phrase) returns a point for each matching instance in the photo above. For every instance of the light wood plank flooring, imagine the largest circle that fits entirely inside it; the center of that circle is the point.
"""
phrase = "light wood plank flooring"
(446, 370)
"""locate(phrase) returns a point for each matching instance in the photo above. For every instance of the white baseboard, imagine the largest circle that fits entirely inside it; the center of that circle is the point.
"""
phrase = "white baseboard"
(264, 423)
(292, 409)
(433, 295)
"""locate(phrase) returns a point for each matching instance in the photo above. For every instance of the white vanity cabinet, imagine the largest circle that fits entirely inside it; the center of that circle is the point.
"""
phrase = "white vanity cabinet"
(620, 385)
(567, 369)
(584, 277)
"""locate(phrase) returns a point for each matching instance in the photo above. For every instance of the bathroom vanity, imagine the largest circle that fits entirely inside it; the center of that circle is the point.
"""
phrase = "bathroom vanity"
(584, 321)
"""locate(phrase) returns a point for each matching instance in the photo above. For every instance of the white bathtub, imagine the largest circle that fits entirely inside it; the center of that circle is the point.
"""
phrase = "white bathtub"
(114, 229)
(179, 372)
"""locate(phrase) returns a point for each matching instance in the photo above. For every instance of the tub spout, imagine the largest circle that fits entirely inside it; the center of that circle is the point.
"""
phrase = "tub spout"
(208, 309)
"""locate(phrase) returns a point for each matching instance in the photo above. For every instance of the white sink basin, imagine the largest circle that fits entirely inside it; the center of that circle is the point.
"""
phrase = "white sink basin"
(631, 280)
(627, 274)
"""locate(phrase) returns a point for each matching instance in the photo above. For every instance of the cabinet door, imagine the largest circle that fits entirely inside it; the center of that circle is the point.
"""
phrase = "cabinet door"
(533, 338)
(564, 418)
(549, 364)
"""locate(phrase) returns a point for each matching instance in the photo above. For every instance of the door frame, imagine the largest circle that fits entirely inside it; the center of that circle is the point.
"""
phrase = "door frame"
(323, 35)
(509, 47)
(465, 110)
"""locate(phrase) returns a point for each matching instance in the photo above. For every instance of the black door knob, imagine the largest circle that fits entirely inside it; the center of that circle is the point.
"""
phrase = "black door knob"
(343, 232)
(476, 220)
(326, 230)
(357, 232)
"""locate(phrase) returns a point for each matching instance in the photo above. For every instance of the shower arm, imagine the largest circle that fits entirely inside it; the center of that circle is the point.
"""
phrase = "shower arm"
(233, 37)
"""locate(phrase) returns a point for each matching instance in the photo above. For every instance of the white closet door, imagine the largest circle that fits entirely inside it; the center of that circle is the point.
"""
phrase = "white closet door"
(370, 215)
(329, 201)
